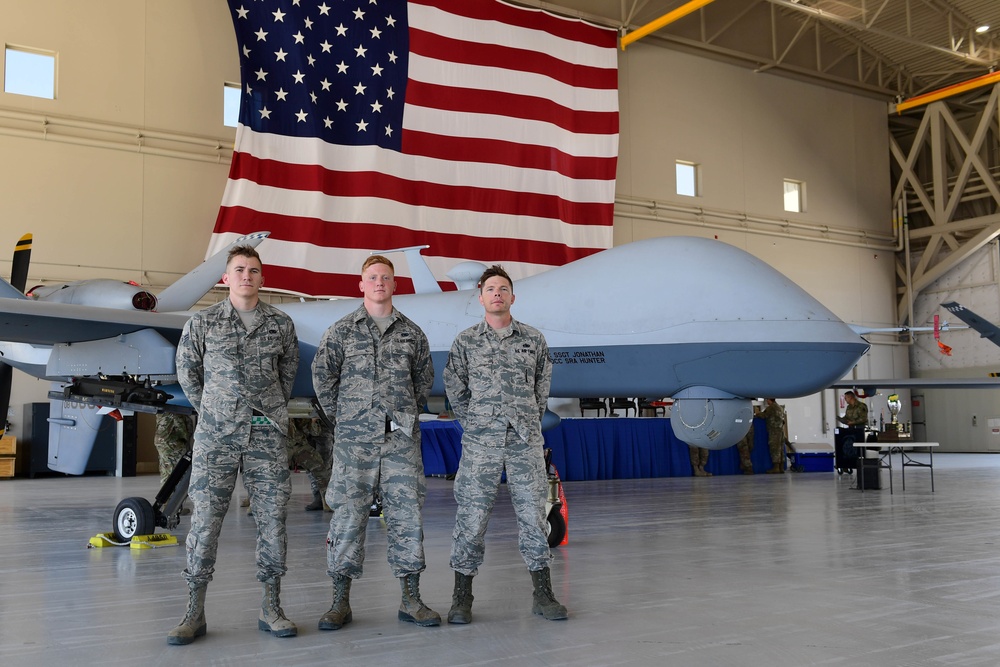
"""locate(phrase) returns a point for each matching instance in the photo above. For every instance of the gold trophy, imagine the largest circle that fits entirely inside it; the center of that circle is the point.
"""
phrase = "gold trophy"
(894, 407)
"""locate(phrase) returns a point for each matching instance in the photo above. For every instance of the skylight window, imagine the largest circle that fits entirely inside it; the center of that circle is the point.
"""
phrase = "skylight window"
(687, 178)
(231, 104)
(29, 72)
(795, 196)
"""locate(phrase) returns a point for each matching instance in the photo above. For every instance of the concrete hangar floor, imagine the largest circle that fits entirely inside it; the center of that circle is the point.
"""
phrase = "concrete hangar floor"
(796, 569)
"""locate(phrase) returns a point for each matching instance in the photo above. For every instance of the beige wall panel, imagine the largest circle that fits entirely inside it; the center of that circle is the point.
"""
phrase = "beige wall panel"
(681, 108)
(190, 53)
(799, 132)
(870, 134)
(179, 209)
(808, 264)
(849, 281)
(624, 231)
(98, 73)
(748, 132)
(84, 207)
(147, 459)
(962, 420)
(623, 176)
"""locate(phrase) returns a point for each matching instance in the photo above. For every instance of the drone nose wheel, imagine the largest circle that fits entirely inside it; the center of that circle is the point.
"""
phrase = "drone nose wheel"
(133, 516)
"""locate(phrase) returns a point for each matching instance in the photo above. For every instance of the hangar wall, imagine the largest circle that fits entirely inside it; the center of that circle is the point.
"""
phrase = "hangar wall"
(116, 212)
(748, 132)
(962, 420)
(75, 172)
(159, 66)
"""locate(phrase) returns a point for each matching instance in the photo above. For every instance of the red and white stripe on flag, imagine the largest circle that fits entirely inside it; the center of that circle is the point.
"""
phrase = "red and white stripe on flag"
(487, 131)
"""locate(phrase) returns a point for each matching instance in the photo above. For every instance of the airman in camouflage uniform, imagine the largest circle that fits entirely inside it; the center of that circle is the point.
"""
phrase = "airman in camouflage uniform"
(774, 415)
(856, 413)
(497, 379)
(236, 362)
(745, 447)
(310, 447)
(172, 439)
(372, 372)
(699, 459)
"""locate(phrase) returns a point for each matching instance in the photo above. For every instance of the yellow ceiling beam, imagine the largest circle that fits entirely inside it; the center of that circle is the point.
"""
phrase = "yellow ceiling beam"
(948, 91)
(664, 20)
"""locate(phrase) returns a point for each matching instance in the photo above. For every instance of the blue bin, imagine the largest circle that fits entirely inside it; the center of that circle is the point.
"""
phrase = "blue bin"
(814, 461)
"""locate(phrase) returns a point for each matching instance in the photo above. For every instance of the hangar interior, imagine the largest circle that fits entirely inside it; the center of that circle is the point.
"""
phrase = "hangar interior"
(750, 93)
(120, 176)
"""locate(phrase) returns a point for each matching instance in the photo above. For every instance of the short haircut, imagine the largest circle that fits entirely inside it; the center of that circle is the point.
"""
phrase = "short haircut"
(377, 259)
(850, 393)
(495, 270)
(243, 251)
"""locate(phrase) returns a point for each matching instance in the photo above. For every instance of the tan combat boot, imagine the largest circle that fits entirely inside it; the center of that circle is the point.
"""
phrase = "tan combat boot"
(412, 608)
(461, 600)
(339, 614)
(272, 619)
(193, 625)
(544, 603)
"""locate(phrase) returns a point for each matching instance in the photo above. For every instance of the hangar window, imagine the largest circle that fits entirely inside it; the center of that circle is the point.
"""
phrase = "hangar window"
(795, 196)
(29, 72)
(688, 175)
(231, 104)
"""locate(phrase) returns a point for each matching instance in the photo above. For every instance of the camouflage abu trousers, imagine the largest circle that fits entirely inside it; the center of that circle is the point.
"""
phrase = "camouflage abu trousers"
(319, 478)
(744, 450)
(169, 453)
(216, 461)
(776, 445)
(310, 447)
(172, 439)
(698, 455)
(745, 447)
(395, 467)
(476, 487)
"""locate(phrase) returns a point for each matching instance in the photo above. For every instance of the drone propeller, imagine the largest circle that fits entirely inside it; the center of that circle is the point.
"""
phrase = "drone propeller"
(19, 279)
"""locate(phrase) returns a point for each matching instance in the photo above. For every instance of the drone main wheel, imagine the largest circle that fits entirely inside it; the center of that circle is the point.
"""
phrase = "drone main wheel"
(133, 516)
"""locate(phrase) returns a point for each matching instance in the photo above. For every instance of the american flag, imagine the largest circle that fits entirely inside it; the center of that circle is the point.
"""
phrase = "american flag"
(488, 131)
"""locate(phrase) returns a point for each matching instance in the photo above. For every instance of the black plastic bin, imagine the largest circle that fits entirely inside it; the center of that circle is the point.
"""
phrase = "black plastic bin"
(845, 454)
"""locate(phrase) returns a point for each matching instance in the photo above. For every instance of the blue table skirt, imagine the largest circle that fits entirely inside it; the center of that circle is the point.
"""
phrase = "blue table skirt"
(441, 442)
(619, 448)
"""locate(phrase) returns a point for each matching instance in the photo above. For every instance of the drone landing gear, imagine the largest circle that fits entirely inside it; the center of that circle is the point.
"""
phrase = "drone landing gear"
(135, 519)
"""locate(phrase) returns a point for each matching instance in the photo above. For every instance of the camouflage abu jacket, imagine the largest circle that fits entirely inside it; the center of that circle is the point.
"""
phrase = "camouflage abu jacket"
(361, 377)
(493, 381)
(227, 371)
(857, 414)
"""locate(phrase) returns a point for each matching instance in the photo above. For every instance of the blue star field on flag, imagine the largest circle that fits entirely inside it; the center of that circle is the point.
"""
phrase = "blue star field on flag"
(331, 69)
